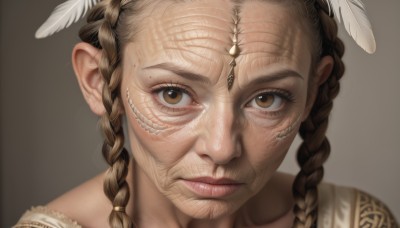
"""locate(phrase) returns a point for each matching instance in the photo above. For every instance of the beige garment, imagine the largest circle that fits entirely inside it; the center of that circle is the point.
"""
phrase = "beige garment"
(42, 217)
(339, 207)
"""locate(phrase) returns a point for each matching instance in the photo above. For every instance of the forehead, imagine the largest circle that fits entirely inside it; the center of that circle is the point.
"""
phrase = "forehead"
(199, 33)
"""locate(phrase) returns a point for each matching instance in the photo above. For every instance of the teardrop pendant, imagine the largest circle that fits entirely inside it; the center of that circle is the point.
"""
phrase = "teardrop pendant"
(234, 51)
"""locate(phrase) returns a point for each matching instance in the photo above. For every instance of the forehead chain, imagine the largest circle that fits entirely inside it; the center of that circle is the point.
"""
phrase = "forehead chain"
(234, 51)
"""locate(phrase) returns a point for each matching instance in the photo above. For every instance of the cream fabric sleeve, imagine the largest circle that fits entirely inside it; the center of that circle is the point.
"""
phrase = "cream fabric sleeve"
(42, 217)
(341, 207)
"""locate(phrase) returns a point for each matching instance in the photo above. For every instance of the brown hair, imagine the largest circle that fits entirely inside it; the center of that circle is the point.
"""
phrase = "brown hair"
(100, 32)
(315, 148)
(103, 30)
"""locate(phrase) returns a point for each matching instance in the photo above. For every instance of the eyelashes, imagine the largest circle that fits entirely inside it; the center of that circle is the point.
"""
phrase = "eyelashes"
(270, 101)
(176, 97)
(173, 97)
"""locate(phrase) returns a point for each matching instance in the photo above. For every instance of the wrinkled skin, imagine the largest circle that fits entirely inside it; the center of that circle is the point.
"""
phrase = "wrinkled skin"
(212, 131)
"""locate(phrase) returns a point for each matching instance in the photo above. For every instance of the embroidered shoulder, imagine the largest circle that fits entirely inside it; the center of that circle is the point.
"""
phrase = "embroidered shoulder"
(370, 212)
(335, 206)
(350, 208)
(43, 217)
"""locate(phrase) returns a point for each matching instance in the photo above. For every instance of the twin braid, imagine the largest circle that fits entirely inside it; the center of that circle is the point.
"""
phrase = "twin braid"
(100, 32)
(315, 148)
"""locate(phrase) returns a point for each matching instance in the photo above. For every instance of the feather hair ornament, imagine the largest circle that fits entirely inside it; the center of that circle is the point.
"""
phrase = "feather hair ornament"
(64, 15)
(355, 21)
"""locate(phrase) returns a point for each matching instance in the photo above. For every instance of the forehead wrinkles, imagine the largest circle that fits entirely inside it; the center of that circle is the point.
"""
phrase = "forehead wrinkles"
(194, 31)
(269, 29)
(269, 37)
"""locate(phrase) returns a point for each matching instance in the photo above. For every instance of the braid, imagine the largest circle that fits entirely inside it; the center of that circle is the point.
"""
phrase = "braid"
(315, 148)
(100, 32)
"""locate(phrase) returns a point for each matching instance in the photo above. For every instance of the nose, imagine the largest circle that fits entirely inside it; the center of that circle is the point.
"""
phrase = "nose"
(221, 138)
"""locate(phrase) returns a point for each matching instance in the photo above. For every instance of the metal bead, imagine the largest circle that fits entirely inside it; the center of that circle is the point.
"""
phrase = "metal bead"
(234, 51)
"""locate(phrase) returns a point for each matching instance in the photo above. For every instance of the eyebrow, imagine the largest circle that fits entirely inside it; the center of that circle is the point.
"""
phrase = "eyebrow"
(276, 76)
(176, 69)
(181, 72)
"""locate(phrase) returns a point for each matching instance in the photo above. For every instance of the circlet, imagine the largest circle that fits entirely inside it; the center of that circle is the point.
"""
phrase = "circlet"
(351, 12)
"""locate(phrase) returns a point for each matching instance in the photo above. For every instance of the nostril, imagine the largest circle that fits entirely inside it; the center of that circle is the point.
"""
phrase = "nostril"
(223, 149)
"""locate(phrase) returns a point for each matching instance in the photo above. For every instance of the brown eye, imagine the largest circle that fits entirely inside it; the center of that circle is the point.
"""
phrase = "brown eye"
(172, 96)
(269, 102)
(264, 100)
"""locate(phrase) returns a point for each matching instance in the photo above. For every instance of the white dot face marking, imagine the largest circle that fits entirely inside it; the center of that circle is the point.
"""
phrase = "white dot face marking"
(289, 130)
(144, 122)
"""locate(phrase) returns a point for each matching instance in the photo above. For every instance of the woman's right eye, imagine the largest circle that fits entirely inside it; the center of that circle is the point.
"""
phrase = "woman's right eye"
(174, 97)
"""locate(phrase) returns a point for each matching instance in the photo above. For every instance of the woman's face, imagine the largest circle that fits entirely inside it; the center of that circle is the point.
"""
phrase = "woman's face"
(207, 149)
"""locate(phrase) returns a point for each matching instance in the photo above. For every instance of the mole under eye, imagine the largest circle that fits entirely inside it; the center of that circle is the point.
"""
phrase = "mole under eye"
(174, 97)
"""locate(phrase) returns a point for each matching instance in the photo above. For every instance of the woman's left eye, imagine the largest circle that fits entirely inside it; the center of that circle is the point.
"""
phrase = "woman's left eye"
(269, 102)
(174, 97)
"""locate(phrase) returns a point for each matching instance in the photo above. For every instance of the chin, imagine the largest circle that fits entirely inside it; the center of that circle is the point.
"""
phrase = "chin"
(208, 208)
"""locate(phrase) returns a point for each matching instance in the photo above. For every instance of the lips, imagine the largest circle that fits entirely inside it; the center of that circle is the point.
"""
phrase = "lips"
(209, 187)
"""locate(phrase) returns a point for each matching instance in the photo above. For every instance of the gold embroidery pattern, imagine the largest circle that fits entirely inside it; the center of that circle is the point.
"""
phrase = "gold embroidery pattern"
(43, 217)
(373, 213)
(31, 225)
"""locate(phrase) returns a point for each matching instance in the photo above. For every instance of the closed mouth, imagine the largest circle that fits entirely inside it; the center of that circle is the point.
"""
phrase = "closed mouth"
(214, 181)
(208, 187)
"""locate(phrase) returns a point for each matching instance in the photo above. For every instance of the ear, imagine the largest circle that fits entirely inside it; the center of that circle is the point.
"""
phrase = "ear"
(322, 73)
(85, 60)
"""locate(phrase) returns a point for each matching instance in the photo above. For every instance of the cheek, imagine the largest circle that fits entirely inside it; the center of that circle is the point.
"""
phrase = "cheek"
(154, 143)
(159, 156)
(264, 152)
(153, 136)
(150, 125)
(266, 148)
(289, 129)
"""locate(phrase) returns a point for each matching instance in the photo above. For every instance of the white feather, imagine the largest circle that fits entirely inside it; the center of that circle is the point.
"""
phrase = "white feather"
(63, 16)
(355, 20)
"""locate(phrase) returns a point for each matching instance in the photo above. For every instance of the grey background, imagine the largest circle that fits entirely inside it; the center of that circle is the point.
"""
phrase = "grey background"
(49, 141)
